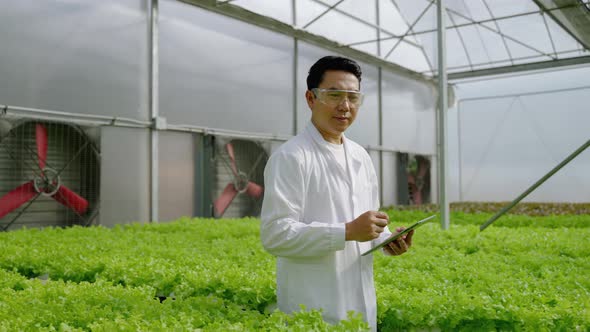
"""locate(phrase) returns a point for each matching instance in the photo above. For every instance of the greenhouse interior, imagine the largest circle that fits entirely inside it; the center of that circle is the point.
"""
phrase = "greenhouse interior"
(135, 134)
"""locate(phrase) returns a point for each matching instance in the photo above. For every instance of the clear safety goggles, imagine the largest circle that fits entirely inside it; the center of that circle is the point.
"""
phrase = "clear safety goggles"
(334, 98)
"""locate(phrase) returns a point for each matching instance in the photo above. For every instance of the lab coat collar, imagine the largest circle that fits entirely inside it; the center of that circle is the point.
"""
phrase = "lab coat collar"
(353, 161)
(317, 136)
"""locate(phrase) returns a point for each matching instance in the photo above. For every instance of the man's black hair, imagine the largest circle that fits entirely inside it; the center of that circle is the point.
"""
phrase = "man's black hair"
(331, 62)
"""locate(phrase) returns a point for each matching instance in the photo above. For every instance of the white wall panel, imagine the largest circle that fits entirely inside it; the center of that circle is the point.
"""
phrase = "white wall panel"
(389, 182)
(177, 175)
(408, 115)
(125, 181)
(219, 72)
(515, 129)
(508, 143)
(76, 56)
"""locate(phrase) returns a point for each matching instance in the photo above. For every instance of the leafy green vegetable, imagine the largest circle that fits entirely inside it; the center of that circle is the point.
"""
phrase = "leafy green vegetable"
(522, 273)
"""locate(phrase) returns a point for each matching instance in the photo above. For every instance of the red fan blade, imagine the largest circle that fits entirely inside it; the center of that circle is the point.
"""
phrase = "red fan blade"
(254, 190)
(16, 198)
(227, 196)
(41, 139)
(70, 199)
(232, 157)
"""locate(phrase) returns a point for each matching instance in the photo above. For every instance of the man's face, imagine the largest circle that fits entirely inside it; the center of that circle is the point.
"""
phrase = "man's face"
(333, 120)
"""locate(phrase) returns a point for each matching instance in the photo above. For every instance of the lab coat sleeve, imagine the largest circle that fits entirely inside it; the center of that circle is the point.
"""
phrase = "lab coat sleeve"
(282, 231)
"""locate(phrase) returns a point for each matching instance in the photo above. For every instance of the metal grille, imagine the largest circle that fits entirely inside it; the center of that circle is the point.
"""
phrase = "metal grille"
(72, 159)
(250, 158)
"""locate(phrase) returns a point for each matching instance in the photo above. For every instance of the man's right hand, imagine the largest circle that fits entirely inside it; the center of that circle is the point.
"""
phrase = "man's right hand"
(368, 226)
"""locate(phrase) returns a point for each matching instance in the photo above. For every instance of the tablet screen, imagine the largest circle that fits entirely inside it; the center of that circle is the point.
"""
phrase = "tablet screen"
(396, 236)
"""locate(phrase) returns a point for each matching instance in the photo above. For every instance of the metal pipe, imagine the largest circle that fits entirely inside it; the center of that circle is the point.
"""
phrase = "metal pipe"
(379, 98)
(525, 67)
(459, 151)
(295, 70)
(294, 81)
(534, 186)
(89, 119)
(535, 93)
(154, 112)
(442, 116)
(226, 133)
(101, 120)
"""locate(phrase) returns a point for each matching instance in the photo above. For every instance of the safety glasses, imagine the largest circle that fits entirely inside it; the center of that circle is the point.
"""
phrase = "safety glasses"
(334, 98)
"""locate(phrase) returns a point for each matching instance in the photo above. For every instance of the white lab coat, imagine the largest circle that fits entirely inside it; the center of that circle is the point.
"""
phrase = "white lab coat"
(307, 200)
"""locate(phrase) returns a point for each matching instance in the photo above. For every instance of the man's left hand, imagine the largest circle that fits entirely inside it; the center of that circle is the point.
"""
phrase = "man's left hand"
(400, 245)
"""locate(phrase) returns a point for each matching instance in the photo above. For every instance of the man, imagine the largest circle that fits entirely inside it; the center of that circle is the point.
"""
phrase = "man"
(319, 212)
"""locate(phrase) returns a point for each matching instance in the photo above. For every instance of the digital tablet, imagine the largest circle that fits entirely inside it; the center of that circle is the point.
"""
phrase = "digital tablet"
(396, 236)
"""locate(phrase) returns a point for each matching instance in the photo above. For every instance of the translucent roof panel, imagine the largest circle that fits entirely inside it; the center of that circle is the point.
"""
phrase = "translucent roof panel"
(338, 23)
(481, 34)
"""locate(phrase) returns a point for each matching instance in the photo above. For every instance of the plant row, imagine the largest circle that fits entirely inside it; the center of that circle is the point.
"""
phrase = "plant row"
(37, 305)
(522, 208)
(214, 274)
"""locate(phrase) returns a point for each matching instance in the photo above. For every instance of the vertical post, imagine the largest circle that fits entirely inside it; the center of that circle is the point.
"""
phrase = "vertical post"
(442, 116)
(380, 124)
(295, 91)
(295, 69)
(204, 172)
(153, 106)
(379, 101)
(459, 151)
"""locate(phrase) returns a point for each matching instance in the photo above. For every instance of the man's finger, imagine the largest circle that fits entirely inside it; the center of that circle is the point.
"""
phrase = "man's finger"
(381, 222)
(382, 215)
(394, 248)
(409, 238)
(389, 250)
(402, 245)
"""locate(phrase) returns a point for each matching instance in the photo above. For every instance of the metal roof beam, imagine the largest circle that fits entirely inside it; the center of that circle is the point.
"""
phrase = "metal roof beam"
(498, 32)
(421, 47)
(521, 68)
(498, 28)
(408, 31)
(498, 18)
(501, 63)
(322, 14)
(272, 24)
(360, 20)
(567, 25)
